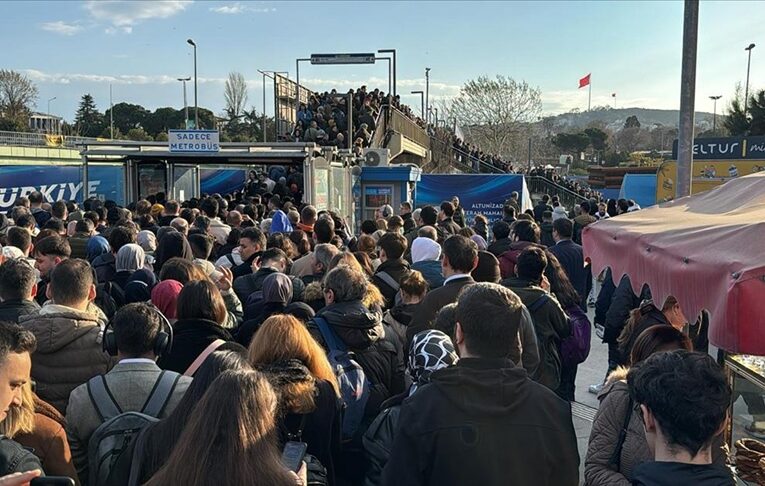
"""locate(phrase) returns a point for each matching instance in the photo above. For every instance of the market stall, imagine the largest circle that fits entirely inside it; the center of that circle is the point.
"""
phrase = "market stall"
(707, 251)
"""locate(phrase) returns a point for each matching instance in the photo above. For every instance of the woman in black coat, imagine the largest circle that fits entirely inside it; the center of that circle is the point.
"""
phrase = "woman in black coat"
(274, 297)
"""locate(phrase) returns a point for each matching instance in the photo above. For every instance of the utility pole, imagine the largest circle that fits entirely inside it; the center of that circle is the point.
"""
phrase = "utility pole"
(111, 112)
(714, 113)
(746, 90)
(196, 100)
(422, 102)
(427, 94)
(687, 98)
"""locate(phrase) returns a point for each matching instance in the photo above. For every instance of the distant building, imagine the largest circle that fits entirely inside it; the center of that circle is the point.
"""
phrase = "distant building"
(45, 123)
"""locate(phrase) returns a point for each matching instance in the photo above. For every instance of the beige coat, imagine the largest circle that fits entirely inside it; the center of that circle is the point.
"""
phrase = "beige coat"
(69, 351)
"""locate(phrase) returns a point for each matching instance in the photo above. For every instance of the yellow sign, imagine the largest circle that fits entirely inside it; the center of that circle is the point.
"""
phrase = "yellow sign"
(707, 174)
(54, 140)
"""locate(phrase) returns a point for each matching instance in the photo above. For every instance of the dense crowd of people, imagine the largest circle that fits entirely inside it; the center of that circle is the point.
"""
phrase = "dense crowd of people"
(251, 339)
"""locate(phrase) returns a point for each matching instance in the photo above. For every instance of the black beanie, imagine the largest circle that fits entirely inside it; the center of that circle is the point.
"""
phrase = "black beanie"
(487, 269)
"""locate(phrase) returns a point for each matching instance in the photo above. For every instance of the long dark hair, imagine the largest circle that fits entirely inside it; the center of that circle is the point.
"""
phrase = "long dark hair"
(560, 285)
(162, 437)
(230, 437)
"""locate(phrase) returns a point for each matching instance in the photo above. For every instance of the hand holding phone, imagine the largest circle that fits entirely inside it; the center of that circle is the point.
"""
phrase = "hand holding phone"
(293, 455)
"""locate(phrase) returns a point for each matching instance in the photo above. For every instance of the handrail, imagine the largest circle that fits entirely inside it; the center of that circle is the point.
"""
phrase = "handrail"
(399, 122)
(481, 163)
(28, 139)
(381, 126)
(567, 197)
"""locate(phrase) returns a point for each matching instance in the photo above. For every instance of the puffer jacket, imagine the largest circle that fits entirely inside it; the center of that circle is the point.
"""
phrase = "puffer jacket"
(399, 318)
(431, 272)
(69, 351)
(363, 333)
(604, 437)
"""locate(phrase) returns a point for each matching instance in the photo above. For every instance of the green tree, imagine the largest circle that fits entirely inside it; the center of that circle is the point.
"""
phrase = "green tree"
(571, 142)
(161, 137)
(598, 138)
(736, 121)
(127, 116)
(138, 134)
(632, 122)
(162, 120)
(235, 94)
(757, 113)
(89, 122)
(18, 95)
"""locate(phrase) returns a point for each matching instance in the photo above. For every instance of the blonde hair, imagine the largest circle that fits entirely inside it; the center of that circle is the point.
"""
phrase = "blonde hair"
(20, 420)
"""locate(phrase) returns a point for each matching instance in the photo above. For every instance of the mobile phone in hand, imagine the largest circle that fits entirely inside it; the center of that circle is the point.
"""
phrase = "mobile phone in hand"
(52, 481)
(293, 455)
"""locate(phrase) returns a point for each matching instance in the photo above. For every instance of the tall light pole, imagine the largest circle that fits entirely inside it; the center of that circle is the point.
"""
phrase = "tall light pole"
(422, 102)
(746, 90)
(50, 121)
(427, 93)
(687, 98)
(391, 51)
(185, 103)
(196, 101)
(111, 112)
(714, 113)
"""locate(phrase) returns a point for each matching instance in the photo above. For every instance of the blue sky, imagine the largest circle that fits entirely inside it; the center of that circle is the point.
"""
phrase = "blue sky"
(631, 48)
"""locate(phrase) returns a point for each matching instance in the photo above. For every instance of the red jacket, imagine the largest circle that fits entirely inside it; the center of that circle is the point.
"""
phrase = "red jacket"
(508, 259)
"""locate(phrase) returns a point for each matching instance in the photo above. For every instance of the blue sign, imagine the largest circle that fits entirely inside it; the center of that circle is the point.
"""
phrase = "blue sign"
(60, 182)
(478, 193)
(729, 148)
(193, 141)
(221, 181)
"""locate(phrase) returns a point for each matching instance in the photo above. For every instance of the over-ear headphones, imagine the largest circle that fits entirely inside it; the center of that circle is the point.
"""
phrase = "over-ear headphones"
(163, 343)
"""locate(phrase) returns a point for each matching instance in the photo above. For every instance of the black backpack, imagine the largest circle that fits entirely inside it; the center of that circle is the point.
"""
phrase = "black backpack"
(109, 297)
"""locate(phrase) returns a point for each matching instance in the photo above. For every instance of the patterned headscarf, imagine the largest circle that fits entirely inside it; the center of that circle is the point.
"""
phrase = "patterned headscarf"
(430, 351)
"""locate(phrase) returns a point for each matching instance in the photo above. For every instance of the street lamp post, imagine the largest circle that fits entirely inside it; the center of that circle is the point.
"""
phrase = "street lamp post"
(746, 90)
(185, 103)
(50, 120)
(422, 102)
(196, 100)
(714, 112)
(427, 93)
(391, 51)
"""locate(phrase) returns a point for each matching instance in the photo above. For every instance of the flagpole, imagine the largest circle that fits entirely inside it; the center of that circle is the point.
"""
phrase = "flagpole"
(589, 96)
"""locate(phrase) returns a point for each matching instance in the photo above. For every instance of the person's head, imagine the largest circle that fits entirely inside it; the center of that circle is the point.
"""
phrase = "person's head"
(275, 259)
(368, 227)
(524, 230)
(233, 427)
(322, 256)
(136, 329)
(487, 269)
(584, 207)
(300, 241)
(20, 238)
(488, 318)
(683, 398)
(142, 207)
(531, 265)
(84, 227)
(446, 319)
(164, 296)
(392, 246)
(563, 229)
(251, 241)
(50, 252)
(120, 236)
(210, 207)
(456, 201)
(282, 242)
(201, 299)
(58, 210)
(386, 211)
(56, 225)
(17, 280)
(429, 232)
(514, 195)
(35, 199)
(181, 269)
(395, 224)
(147, 240)
(201, 245)
(16, 347)
(281, 341)
(429, 216)
(180, 225)
(130, 258)
(430, 351)
(460, 256)
(405, 208)
(324, 230)
(308, 215)
(413, 288)
(343, 284)
(656, 339)
(367, 244)
(417, 217)
(71, 284)
(674, 313)
(425, 249)
(501, 230)
(447, 210)
(545, 199)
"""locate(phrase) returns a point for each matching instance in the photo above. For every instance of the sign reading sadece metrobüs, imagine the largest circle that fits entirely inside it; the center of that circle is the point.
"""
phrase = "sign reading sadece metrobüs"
(196, 141)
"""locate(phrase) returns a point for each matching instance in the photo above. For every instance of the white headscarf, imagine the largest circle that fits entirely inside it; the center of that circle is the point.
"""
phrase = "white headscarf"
(147, 240)
(425, 249)
(130, 258)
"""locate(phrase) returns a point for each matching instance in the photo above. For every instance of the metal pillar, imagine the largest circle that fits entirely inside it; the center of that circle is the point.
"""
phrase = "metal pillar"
(687, 98)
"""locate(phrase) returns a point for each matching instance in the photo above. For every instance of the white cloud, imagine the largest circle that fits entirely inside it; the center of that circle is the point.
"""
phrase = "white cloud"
(240, 7)
(124, 15)
(61, 27)
(125, 79)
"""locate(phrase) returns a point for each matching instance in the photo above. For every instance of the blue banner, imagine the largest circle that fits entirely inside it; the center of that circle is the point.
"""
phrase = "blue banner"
(478, 193)
(222, 181)
(60, 182)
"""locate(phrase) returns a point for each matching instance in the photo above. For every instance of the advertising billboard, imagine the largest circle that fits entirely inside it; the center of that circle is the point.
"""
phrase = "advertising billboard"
(221, 181)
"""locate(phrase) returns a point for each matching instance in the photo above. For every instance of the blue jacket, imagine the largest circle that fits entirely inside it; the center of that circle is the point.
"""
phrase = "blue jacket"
(431, 271)
(280, 223)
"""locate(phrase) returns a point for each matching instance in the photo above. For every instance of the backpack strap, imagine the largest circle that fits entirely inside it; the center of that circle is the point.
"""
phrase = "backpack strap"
(160, 394)
(203, 356)
(230, 258)
(103, 400)
(537, 304)
(388, 280)
(333, 343)
(616, 457)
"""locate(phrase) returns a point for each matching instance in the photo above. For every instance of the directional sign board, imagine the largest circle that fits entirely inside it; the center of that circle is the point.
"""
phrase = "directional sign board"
(197, 141)
(343, 58)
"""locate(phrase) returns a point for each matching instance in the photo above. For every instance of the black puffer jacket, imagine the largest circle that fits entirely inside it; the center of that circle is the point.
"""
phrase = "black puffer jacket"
(15, 458)
(12, 309)
(363, 332)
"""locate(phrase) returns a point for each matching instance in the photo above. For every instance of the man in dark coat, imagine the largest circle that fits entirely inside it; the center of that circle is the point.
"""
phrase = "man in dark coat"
(542, 206)
(460, 258)
(571, 258)
(273, 260)
(483, 421)
(502, 241)
(17, 290)
(445, 218)
(252, 242)
(393, 268)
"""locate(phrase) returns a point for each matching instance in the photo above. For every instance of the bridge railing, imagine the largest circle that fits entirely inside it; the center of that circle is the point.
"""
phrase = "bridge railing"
(24, 139)
(543, 185)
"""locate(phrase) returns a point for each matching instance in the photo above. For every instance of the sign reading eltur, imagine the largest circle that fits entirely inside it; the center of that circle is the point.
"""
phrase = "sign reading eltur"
(195, 141)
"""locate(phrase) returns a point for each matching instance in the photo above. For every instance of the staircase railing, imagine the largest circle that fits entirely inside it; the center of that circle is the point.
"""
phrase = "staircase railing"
(543, 185)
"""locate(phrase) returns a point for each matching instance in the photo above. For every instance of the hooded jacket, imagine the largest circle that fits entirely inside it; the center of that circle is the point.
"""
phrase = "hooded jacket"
(483, 422)
(69, 351)
(559, 212)
(551, 325)
(363, 333)
(604, 437)
(12, 309)
(398, 270)
(431, 272)
(509, 258)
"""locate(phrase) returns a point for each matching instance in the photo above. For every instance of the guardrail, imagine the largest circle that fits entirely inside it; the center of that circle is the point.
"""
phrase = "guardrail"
(24, 139)
(404, 125)
(543, 185)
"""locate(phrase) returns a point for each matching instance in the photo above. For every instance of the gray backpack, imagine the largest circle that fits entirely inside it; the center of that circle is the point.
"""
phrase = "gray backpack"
(118, 429)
